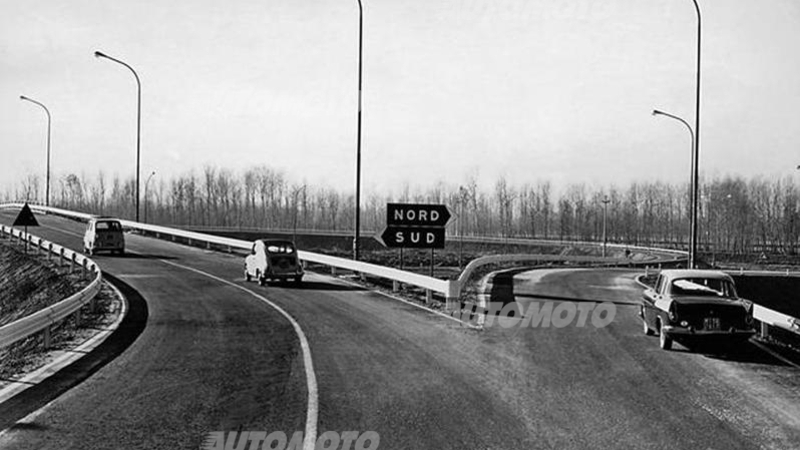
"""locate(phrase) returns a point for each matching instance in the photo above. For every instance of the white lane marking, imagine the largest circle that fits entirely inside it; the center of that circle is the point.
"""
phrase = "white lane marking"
(310, 437)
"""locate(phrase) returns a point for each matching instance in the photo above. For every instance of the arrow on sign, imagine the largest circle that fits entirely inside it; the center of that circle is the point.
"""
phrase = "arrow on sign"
(416, 237)
(417, 215)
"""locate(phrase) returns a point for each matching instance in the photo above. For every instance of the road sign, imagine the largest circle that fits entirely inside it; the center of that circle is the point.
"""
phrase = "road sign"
(412, 237)
(416, 215)
(25, 218)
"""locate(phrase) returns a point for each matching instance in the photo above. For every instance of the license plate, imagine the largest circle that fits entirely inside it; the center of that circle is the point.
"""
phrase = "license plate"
(711, 323)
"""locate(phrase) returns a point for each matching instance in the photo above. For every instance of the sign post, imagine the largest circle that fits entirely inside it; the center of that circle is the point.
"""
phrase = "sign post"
(415, 225)
(26, 219)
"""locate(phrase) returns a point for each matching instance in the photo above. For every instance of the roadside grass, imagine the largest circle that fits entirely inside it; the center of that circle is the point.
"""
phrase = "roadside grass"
(30, 282)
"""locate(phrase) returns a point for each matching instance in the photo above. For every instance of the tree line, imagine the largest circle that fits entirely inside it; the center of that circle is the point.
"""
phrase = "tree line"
(736, 215)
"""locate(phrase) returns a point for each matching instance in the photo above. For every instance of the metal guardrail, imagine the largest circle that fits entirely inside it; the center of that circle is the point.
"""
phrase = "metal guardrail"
(599, 260)
(44, 318)
(450, 289)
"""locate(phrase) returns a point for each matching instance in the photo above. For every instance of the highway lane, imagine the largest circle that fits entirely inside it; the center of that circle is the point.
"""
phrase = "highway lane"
(616, 384)
(209, 359)
(381, 365)
(205, 362)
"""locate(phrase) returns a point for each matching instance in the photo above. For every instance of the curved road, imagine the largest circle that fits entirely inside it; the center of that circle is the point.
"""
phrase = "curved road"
(214, 358)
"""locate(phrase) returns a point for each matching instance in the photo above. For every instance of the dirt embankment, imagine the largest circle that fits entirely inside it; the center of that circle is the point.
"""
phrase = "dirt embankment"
(29, 283)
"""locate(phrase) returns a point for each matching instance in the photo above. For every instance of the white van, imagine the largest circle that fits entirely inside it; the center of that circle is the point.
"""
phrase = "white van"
(103, 234)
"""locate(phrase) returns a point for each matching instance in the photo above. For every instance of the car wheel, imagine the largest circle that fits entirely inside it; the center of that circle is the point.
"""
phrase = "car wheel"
(645, 327)
(298, 280)
(262, 280)
(664, 341)
(247, 276)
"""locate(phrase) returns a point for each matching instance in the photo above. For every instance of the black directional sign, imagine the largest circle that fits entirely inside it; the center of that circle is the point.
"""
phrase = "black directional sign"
(25, 218)
(394, 236)
(416, 215)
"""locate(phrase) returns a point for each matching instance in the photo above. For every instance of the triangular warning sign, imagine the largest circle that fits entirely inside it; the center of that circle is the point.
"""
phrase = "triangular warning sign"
(26, 218)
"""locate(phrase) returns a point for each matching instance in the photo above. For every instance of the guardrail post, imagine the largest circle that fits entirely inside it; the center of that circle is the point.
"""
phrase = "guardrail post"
(73, 262)
(428, 296)
(764, 330)
(333, 271)
(451, 304)
(61, 257)
(50, 252)
(395, 286)
(78, 318)
(84, 268)
(46, 332)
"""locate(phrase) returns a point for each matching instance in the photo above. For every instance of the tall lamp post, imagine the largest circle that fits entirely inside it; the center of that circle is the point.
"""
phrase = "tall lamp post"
(463, 196)
(358, 139)
(694, 177)
(47, 182)
(696, 155)
(606, 201)
(138, 119)
(294, 221)
(147, 183)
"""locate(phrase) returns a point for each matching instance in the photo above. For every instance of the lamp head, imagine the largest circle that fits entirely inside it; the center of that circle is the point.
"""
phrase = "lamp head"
(22, 97)
(99, 55)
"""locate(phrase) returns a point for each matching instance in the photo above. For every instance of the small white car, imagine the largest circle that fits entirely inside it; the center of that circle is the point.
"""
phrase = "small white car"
(273, 259)
(103, 234)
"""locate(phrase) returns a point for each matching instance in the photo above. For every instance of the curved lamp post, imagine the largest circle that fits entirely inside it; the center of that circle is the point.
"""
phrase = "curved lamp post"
(138, 119)
(693, 225)
(47, 183)
(358, 139)
(146, 184)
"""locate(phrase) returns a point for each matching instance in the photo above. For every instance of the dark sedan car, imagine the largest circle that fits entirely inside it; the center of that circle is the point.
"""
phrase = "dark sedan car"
(696, 304)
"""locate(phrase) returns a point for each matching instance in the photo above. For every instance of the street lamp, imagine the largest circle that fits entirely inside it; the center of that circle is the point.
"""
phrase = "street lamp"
(696, 155)
(147, 183)
(294, 222)
(463, 197)
(605, 201)
(694, 192)
(138, 119)
(47, 182)
(358, 140)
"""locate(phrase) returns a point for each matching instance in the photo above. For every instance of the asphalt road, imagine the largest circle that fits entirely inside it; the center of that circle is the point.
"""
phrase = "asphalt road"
(214, 358)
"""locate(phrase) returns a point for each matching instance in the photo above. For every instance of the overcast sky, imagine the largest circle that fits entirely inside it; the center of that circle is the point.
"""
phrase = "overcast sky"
(525, 89)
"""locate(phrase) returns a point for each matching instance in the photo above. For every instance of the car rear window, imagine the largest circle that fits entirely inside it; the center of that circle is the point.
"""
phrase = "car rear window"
(280, 248)
(711, 287)
(108, 226)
